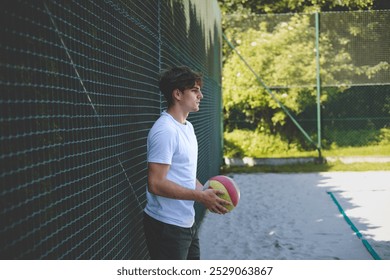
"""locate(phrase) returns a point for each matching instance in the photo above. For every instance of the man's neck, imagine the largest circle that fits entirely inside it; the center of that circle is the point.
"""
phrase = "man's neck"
(178, 115)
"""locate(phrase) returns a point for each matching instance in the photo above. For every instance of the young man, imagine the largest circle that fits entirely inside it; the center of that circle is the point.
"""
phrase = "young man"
(169, 218)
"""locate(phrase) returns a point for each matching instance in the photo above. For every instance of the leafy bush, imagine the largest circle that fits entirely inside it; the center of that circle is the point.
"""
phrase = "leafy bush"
(246, 143)
(384, 136)
(357, 138)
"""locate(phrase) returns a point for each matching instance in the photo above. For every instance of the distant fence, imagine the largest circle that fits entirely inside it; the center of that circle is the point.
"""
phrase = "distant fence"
(78, 96)
(350, 66)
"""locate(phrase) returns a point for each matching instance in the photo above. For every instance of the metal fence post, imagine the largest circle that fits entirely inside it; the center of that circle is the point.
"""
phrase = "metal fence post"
(318, 86)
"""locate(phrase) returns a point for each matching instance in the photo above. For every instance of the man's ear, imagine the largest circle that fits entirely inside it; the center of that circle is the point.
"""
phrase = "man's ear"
(176, 94)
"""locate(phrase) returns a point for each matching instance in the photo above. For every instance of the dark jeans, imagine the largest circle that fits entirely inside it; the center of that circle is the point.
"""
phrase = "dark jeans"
(169, 242)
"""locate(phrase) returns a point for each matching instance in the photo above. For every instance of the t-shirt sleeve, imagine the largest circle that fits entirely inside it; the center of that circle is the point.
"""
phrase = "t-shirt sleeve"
(161, 145)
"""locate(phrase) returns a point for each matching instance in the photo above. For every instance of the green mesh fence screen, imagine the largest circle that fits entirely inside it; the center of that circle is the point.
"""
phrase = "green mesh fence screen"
(357, 114)
(354, 63)
(78, 88)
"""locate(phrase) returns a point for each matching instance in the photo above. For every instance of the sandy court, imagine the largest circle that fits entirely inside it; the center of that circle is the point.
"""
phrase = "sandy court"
(292, 216)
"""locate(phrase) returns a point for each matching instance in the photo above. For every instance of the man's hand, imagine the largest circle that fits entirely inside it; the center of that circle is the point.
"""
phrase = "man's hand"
(213, 202)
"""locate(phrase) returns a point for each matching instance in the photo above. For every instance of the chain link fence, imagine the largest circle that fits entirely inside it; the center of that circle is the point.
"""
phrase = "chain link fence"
(330, 70)
(78, 95)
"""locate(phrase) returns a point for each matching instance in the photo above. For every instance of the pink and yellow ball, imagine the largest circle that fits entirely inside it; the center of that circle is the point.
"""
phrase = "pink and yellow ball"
(228, 186)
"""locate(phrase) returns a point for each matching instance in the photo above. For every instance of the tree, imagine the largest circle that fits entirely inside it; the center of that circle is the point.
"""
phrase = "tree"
(298, 6)
(290, 71)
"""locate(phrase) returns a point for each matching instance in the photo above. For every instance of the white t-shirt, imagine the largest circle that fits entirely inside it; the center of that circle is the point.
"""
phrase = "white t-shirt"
(173, 143)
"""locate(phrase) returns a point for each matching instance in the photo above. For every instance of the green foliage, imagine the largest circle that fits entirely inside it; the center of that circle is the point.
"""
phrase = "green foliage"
(284, 6)
(357, 138)
(246, 143)
(384, 137)
(352, 138)
(291, 66)
(281, 50)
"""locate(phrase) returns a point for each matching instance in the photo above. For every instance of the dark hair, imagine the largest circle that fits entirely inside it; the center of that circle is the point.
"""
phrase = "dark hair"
(178, 77)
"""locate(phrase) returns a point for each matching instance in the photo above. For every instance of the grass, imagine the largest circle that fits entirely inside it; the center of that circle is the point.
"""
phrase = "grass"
(374, 150)
(369, 151)
(379, 150)
(241, 143)
(308, 167)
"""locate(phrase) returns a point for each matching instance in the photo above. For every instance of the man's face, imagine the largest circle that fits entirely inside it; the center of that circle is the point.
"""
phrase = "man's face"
(191, 98)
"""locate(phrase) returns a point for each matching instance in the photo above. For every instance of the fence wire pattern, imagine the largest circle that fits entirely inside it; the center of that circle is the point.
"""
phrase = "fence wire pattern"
(79, 94)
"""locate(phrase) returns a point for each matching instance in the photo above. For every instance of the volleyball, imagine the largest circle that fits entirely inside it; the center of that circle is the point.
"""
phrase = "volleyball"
(228, 186)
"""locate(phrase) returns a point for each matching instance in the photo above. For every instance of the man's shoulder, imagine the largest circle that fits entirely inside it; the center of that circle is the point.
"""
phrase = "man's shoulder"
(164, 127)
(164, 122)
